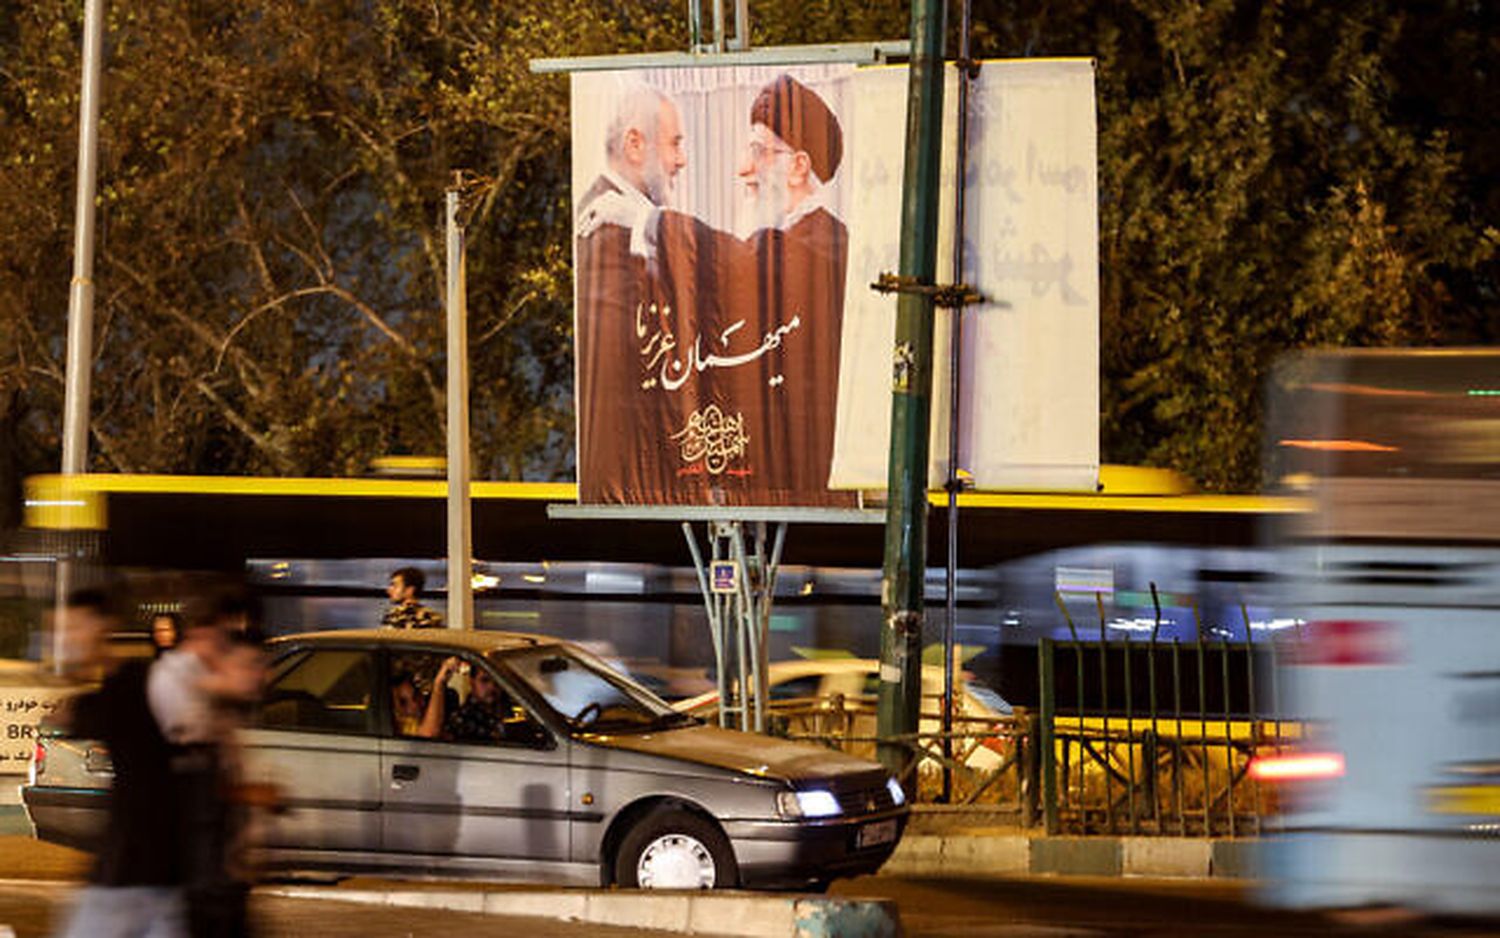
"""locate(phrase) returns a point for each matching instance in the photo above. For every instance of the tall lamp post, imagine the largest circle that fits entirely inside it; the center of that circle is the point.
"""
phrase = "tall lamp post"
(460, 531)
(75, 443)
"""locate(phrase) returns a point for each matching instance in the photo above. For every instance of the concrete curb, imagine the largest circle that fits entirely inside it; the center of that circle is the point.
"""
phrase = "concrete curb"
(742, 915)
(991, 854)
(785, 915)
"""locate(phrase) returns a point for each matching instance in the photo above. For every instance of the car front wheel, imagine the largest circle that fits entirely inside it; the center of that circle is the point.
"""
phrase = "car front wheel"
(674, 849)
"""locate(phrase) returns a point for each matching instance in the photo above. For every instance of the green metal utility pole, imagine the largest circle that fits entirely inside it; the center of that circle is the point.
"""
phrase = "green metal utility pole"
(903, 585)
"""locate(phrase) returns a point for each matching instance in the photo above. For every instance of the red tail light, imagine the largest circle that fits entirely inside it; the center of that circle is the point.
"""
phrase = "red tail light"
(1348, 643)
(1297, 766)
(38, 761)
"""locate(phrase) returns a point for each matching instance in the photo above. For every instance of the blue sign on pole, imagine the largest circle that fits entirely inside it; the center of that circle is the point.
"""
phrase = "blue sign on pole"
(726, 576)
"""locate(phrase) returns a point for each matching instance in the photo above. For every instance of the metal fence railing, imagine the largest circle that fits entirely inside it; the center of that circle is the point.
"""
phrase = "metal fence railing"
(992, 763)
(1156, 737)
(1146, 736)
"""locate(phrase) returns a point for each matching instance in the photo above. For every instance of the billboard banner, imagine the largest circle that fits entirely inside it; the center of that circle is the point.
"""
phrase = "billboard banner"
(710, 255)
(729, 222)
(1029, 413)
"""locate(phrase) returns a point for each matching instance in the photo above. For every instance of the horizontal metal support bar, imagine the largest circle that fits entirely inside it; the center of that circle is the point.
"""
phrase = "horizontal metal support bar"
(859, 53)
(947, 295)
(791, 514)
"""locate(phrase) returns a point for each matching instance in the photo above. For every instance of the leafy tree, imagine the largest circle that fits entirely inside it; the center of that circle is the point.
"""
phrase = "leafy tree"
(270, 275)
(1273, 175)
(271, 259)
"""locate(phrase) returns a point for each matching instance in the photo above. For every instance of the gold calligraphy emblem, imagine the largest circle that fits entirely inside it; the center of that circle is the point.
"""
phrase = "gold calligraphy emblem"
(713, 437)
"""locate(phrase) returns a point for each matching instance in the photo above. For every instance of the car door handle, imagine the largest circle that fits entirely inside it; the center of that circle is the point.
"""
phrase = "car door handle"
(405, 773)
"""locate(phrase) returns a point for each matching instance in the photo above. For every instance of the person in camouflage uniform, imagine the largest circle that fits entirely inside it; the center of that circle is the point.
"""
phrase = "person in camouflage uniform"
(407, 612)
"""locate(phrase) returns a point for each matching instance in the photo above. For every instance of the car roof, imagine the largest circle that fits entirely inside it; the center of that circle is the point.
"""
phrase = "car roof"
(471, 640)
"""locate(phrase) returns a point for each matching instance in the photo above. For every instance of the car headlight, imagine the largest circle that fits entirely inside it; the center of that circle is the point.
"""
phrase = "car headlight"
(816, 803)
(898, 794)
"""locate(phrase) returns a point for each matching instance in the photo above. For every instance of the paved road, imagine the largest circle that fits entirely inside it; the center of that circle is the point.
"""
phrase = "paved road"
(1088, 908)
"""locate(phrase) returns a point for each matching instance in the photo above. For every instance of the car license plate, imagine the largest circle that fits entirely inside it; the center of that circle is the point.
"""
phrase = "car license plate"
(881, 832)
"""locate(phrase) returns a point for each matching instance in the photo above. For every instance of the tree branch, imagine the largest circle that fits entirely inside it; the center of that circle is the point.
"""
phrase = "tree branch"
(259, 440)
(505, 320)
(250, 372)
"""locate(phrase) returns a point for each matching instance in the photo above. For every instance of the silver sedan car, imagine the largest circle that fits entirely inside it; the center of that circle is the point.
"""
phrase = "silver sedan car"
(537, 762)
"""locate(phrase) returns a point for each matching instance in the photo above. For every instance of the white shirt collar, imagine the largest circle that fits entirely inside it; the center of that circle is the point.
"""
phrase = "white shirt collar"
(628, 188)
(819, 199)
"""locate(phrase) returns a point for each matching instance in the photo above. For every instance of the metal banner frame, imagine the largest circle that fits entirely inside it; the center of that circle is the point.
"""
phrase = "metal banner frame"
(860, 53)
(749, 538)
(739, 614)
(729, 50)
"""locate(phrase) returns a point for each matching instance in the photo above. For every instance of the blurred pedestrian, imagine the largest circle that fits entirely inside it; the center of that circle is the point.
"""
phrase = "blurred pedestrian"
(165, 629)
(82, 626)
(195, 691)
(237, 689)
(134, 888)
(406, 610)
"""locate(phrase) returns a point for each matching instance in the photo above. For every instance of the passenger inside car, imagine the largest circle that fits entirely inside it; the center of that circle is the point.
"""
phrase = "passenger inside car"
(408, 704)
(480, 717)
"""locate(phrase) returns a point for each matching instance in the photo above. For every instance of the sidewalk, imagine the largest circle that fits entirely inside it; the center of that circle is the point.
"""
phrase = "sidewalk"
(954, 842)
(980, 853)
(964, 853)
(939, 845)
(717, 913)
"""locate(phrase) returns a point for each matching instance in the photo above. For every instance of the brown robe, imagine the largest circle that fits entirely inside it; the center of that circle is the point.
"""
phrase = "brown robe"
(710, 378)
(619, 421)
(766, 319)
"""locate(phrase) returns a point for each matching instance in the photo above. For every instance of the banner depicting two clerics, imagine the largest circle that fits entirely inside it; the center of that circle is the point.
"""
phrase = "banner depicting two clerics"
(728, 225)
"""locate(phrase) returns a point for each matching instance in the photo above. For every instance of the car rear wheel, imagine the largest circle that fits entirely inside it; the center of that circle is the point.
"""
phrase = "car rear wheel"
(674, 849)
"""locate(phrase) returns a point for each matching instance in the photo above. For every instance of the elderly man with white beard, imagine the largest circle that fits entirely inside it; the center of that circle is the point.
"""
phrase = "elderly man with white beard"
(757, 320)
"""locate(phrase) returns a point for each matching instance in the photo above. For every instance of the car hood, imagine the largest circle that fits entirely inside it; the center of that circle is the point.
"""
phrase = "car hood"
(748, 753)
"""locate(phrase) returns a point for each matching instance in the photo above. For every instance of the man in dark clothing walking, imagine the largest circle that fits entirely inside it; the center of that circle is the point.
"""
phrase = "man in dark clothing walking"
(135, 887)
(195, 693)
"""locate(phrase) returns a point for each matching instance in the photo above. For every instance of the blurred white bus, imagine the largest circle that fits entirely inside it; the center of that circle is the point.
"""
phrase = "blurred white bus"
(1395, 792)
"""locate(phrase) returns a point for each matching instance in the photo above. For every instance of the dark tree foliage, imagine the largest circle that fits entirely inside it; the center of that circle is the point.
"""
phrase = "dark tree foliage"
(270, 270)
(1273, 175)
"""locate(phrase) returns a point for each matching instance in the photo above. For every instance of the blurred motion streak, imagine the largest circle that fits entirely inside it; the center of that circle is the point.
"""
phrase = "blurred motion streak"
(1397, 676)
(1294, 766)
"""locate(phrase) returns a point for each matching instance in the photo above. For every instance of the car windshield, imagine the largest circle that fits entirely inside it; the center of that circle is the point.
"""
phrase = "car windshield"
(587, 693)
